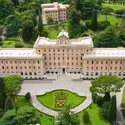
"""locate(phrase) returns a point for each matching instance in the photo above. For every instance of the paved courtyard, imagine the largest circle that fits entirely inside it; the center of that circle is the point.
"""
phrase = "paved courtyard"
(40, 87)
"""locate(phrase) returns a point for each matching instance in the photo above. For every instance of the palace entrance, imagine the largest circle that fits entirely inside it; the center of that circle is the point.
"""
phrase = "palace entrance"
(63, 70)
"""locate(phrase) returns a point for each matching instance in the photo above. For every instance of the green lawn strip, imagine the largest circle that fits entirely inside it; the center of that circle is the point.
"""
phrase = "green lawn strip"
(94, 113)
(115, 7)
(49, 100)
(123, 96)
(45, 119)
(10, 43)
(111, 18)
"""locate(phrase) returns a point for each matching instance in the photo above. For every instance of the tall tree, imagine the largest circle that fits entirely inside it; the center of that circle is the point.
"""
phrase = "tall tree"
(78, 5)
(106, 11)
(74, 27)
(86, 12)
(111, 115)
(2, 93)
(94, 20)
(27, 30)
(106, 84)
(12, 24)
(66, 117)
(13, 86)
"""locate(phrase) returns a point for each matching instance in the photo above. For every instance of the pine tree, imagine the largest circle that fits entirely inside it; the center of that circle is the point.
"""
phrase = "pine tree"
(111, 115)
(94, 20)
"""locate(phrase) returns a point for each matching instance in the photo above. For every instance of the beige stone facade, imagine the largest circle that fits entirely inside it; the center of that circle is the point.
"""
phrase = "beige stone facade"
(63, 55)
(57, 11)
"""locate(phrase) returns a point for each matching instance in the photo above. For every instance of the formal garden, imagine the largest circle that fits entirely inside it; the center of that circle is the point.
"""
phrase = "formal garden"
(57, 100)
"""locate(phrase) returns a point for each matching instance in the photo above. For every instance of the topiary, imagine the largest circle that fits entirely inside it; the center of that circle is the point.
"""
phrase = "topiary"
(28, 96)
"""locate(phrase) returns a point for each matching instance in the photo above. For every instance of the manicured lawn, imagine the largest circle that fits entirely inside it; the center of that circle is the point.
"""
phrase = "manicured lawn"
(10, 43)
(111, 18)
(94, 113)
(45, 119)
(55, 29)
(49, 99)
(123, 96)
(115, 7)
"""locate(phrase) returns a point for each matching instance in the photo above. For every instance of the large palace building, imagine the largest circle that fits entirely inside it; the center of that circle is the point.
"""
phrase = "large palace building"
(75, 57)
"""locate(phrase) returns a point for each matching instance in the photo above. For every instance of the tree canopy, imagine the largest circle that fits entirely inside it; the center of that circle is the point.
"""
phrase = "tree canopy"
(23, 116)
(106, 84)
(6, 8)
(66, 117)
(107, 38)
(13, 84)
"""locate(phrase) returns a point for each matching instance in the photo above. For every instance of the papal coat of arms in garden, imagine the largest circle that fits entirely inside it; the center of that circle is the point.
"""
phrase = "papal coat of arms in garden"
(60, 99)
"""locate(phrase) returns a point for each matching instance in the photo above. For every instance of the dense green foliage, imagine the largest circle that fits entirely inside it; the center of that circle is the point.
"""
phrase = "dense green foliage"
(94, 20)
(108, 38)
(6, 8)
(23, 116)
(66, 117)
(2, 93)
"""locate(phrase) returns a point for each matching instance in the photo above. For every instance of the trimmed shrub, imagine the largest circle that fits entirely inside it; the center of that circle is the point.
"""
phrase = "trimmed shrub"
(28, 96)
(86, 118)
(18, 45)
(94, 95)
(103, 24)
